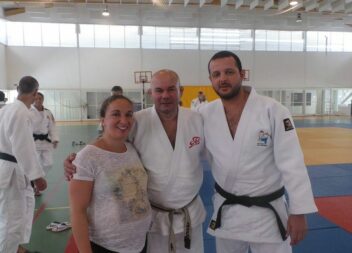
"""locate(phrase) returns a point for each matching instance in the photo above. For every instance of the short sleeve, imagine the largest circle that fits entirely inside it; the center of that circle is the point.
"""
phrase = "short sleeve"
(85, 165)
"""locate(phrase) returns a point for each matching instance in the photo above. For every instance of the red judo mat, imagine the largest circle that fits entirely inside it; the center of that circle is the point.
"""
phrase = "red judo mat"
(71, 246)
(337, 210)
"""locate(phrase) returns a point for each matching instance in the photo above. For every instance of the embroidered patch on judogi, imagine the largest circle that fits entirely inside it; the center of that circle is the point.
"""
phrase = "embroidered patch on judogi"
(288, 124)
(212, 224)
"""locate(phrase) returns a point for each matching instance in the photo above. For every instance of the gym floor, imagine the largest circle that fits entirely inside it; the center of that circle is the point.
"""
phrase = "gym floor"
(327, 147)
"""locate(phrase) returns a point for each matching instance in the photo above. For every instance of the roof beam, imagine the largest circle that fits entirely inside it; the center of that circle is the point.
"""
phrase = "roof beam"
(239, 3)
(325, 6)
(282, 4)
(338, 6)
(311, 5)
(253, 4)
(223, 3)
(348, 8)
(268, 4)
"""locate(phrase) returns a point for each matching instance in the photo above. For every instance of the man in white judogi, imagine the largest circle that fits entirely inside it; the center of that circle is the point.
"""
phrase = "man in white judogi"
(199, 101)
(169, 140)
(255, 156)
(18, 166)
(3, 99)
(44, 132)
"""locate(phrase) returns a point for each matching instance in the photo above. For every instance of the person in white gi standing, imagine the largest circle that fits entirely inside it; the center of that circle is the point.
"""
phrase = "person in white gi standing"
(3, 99)
(44, 132)
(199, 101)
(255, 156)
(169, 140)
(18, 166)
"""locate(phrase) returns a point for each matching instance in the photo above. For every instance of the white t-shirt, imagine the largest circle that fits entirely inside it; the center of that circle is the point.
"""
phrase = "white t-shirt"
(119, 213)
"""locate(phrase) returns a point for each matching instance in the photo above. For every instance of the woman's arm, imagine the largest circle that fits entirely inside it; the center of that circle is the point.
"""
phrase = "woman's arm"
(80, 193)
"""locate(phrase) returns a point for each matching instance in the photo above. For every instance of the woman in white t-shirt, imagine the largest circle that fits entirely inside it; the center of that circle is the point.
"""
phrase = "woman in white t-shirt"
(110, 211)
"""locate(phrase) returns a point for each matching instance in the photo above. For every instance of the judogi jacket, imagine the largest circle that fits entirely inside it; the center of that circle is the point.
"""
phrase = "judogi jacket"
(263, 156)
(174, 175)
(43, 123)
(16, 140)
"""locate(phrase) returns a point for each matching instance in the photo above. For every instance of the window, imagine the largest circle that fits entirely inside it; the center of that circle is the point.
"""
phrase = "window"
(50, 35)
(3, 39)
(101, 36)
(86, 36)
(68, 35)
(32, 34)
(117, 36)
(14, 33)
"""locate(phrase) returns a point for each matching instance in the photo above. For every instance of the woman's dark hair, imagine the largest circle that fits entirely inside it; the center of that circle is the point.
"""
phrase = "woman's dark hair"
(109, 100)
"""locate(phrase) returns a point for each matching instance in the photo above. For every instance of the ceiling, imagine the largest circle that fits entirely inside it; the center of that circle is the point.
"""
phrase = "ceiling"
(332, 15)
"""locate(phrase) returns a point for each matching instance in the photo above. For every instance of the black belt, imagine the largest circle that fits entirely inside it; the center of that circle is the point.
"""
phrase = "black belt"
(261, 201)
(42, 137)
(7, 157)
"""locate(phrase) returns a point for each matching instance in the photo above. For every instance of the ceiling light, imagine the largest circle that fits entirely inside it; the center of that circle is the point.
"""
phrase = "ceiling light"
(293, 2)
(299, 18)
(106, 12)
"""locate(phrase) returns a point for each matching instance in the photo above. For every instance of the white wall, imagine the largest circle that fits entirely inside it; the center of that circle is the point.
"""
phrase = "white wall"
(2, 67)
(72, 68)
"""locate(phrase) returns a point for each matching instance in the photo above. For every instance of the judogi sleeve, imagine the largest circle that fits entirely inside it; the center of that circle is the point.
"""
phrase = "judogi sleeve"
(290, 161)
(23, 147)
(52, 127)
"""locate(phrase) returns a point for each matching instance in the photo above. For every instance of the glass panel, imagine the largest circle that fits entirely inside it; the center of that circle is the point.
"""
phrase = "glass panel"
(284, 41)
(68, 35)
(131, 37)
(272, 40)
(86, 36)
(14, 33)
(260, 40)
(162, 37)
(297, 41)
(117, 36)
(148, 37)
(336, 43)
(3, 39)
(101, 36)
(347, 42)
(312, 41)
(50, 35)
(32, 34)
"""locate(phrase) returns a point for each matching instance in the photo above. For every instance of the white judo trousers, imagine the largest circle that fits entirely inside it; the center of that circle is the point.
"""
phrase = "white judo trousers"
(175, 176)
(43, 123)
(16, 194)
(264, 156)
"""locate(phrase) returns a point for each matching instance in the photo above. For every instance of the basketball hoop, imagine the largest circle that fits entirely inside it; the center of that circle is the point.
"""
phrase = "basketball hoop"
(142, 77)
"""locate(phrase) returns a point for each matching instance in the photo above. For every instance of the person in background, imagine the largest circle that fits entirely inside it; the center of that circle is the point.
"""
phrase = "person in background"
(19, 165)
(110, 211)
(3, 99)
(115, 90)
(199, 101)
(44, 133)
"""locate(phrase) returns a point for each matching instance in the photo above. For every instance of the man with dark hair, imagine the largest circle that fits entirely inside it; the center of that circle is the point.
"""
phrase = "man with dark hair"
(3, 99)
(44, 133)
(116, 90)
(255, 157)
(18, 166)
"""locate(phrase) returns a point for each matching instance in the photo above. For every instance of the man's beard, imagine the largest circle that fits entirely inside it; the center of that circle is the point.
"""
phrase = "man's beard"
(233, 93)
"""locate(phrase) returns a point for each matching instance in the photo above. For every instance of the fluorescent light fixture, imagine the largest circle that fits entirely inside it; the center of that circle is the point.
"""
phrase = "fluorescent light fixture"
(106, 12)
(293, 2)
